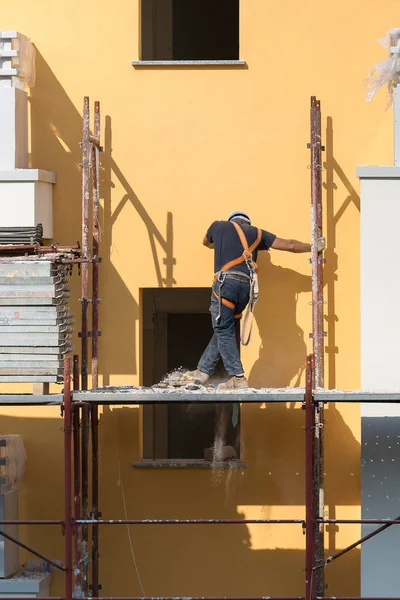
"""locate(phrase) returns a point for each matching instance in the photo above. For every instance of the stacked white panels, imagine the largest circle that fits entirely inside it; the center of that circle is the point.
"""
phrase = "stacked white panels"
(35, 322)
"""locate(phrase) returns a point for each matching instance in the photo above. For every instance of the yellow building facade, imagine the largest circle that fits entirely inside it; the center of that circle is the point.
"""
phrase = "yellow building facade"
(184, 146)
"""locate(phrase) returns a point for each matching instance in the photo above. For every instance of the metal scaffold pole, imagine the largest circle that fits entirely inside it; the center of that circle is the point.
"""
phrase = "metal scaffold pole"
(317, 259)
(85, 240)
(77, 479)
(84, 340)
(68, 478)
(95, 149)
(310, 489)
(318, 333)
(95, 341)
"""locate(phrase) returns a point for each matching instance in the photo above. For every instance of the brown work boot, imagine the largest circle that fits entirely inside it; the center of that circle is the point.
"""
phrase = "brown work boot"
(234, 384)
(196, 377)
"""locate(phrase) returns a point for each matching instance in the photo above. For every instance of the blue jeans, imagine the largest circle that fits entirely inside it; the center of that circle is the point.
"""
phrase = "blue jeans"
(223, 343)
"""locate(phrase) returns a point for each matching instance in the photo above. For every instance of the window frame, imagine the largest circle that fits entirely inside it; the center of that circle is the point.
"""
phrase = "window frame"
(179, 63)
(154, 417)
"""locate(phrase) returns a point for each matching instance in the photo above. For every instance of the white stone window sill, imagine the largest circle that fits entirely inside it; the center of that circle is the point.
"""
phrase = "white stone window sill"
(189, 63)
(170, 463)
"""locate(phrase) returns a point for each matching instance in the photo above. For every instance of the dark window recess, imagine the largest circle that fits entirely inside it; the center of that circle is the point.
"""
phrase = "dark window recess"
(176, 330)
(190, 30)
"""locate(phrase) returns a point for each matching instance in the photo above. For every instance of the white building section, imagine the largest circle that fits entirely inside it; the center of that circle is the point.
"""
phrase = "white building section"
(14, 129)
(380, 360)
(26, 195)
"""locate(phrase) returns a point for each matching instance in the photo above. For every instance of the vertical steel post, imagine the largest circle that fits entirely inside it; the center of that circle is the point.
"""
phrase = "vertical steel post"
(95, 346)
(310, 490)
(85, 498)
(77, 480)
(317, 331)
(85, 240)
(95, 499)
(316, 233)
(319, 496)
(68, 477)
(95, 246)
(84, 335)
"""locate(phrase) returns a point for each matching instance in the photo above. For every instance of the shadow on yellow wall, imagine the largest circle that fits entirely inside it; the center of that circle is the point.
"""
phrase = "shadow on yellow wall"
(218, 560)
(56, 134)
(232, 560)
(333, 216)
(283, 349)
(56, 128)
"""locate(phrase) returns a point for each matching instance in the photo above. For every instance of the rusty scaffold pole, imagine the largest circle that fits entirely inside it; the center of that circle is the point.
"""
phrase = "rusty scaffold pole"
(317, 335)
(68, 477)
(85, 144)
(317, 259)
(95, 149)
(310, 522)
(86, 160)
(77, 479)
(89, 420)
(94, 416)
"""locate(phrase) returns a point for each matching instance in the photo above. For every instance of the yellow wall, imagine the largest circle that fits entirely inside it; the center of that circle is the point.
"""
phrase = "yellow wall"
(196, 144)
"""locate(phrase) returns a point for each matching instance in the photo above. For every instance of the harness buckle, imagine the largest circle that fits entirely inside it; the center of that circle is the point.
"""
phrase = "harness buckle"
(221, 277)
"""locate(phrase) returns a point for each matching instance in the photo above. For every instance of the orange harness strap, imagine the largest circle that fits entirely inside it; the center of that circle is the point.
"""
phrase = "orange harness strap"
(227, 303)
(247, 255)
(247, 251)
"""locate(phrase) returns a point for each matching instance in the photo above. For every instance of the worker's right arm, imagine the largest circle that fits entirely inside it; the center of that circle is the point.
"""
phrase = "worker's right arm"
(296, 246)
(208, 240)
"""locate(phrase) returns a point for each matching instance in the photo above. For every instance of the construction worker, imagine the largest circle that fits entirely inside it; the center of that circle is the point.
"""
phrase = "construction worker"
(236, 244)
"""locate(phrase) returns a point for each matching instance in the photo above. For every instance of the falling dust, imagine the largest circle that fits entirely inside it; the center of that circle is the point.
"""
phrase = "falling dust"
(173, 376)
(173, 382)
(223, 459)
(226, 471)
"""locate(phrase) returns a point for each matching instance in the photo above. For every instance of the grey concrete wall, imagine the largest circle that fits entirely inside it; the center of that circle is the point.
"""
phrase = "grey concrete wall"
(380, 497)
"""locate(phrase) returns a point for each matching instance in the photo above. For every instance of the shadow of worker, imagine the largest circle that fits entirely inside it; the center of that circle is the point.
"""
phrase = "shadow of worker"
(283, 349)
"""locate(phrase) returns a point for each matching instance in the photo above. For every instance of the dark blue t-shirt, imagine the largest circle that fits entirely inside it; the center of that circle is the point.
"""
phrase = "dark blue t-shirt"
(227, 244)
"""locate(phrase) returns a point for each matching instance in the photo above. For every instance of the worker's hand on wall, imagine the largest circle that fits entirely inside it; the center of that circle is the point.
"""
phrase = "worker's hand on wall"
(321, 244)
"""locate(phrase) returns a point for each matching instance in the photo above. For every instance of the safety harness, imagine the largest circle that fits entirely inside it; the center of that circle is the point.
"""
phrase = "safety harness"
(227, 273)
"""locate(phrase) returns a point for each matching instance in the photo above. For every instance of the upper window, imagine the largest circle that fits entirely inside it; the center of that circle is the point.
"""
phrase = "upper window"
(189, 30)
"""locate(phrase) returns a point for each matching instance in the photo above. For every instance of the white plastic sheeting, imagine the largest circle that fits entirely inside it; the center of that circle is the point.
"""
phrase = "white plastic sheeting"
(386, 72)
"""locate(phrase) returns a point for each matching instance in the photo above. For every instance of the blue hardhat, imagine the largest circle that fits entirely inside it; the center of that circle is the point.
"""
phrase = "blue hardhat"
(239, 215)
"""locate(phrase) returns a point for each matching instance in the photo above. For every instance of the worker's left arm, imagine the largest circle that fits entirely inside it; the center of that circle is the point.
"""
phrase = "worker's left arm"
(296, 246)
(208, 244)
(270, 240)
